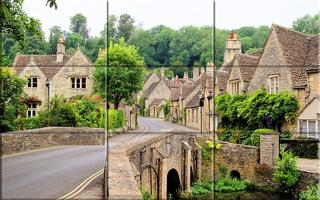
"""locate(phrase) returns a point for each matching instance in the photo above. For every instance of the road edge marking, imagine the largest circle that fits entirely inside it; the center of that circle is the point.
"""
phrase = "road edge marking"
(80, 187)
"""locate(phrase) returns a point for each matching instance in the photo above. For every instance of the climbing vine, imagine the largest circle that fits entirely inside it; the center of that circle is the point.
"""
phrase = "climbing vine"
(256, 110)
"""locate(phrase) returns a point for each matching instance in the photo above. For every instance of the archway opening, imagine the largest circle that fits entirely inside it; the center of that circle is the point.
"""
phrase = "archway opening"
(173, 185)
(235, 174)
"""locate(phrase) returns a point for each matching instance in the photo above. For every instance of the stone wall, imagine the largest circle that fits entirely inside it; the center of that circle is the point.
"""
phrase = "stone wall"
(21, 141)
(241, 158)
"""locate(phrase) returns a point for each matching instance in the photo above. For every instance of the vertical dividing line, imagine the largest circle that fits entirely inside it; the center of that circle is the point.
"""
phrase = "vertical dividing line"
(214, 95)
(106, 89)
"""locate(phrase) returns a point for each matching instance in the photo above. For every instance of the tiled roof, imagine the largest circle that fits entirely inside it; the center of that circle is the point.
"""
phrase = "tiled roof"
(247, 65)
(313, 56)
(257, 53)
(295, 47)
(156, 102)
(175, 93)
(148, 91)
(46, 63)
(188, 87)
(194, 102)
(222, 79)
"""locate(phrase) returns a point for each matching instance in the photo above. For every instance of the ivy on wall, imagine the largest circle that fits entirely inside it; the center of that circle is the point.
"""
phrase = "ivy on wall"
(258, 109)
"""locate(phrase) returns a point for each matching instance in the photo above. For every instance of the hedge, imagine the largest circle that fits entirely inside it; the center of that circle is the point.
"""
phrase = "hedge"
(116, 119)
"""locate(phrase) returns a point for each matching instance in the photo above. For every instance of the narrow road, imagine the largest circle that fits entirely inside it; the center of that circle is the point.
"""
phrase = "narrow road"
(51, 173)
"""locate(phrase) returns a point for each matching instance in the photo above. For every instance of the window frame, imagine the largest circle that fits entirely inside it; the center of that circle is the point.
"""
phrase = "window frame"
(78, 82)
(32, 82)
(307, 132)
(273, 84)
(235, 86)
(32, 110)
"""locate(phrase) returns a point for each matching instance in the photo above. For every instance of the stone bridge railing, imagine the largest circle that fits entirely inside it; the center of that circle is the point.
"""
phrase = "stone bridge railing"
(21, 141)
(147, 163)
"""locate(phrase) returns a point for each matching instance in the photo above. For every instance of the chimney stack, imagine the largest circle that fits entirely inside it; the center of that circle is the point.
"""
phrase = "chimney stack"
(195, 72)
(233, 47)
(185, 75)
(61, 49)
(162, 72)
(210, 68)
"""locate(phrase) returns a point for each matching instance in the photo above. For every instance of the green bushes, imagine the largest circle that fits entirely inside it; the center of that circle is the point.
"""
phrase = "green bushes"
(312, 193)
(286, 174)
(146, 195)
(58, 113)
(201, 188)
(228, 184)
(116, 119)
(27, 123)
(256, 110)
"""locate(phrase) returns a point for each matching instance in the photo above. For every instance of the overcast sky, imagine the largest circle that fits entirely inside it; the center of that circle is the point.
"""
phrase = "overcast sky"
(230, 14)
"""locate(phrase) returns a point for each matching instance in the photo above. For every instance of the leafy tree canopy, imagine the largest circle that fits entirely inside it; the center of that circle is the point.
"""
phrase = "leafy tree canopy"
(123, 76)
(308, 24)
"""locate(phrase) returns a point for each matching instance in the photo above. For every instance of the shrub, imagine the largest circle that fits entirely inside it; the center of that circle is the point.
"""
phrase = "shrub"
(116, 119)
(286, 173)
(89, 111)
(58, 112)
(142, 106)
(228, 184)
(27, 123)
(200, 188)
(312, 193)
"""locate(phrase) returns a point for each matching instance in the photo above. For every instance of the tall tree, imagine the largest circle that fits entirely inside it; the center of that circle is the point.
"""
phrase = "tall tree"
(11, 89)
(125, 26)
(308, 24)
(123, 76)
(79, 25)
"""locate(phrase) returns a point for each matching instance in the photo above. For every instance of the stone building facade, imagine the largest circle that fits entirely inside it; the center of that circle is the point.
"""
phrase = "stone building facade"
(50, 75)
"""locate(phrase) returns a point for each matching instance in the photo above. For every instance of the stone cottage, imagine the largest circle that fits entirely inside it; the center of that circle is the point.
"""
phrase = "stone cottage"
(290, 61)
(58, 74)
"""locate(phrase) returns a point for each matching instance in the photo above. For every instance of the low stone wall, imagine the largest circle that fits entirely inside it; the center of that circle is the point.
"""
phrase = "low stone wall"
(21, 141)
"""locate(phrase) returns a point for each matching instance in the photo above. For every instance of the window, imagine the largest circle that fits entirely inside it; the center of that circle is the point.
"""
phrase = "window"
(235, 87)
(188, 115)
(273, 83)
(32, 82)
(309, 128)
(197, 110)
(78, 83)
(31, 112)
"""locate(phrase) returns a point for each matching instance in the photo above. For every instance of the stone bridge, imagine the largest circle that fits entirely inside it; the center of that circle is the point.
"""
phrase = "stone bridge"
(163, 165)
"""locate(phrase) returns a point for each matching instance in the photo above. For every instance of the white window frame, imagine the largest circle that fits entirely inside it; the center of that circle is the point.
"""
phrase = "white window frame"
(235, 86)
(32, 110)
(273, 84)
(78, 81)
(33, 84)
(317, 125)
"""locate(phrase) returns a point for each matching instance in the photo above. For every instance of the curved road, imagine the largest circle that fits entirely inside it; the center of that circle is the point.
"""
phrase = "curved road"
(51, 173)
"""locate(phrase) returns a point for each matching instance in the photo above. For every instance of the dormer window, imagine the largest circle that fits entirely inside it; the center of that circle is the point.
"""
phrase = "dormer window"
(235, 87)
(273, 84)
(33, 82)
(78, 83)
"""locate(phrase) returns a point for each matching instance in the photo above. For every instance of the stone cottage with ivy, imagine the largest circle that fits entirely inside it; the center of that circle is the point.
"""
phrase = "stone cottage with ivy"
(50, 75)
(290, 62)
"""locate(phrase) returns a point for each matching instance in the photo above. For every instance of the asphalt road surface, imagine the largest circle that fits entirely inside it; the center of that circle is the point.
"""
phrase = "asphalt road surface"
(51, 173)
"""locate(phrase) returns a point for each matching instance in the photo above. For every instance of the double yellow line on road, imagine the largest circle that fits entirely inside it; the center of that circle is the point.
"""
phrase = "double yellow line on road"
(82, 186)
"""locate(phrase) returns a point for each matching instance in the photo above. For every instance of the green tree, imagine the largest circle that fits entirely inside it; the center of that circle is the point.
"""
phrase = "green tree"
(79, 25)
(308, 24)
(11, 89)
(55, 33)
(123, 76)
(125, 26)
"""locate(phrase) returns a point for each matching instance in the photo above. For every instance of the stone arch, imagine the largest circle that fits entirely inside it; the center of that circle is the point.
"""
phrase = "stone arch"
(173, 184)
(235, 174)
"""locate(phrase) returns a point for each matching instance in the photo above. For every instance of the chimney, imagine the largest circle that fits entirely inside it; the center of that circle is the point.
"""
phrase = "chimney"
(162, 72)
(61, 49)
(202, 70)
(195, 72)
(210, 68)
(185, 75)
(233, 47)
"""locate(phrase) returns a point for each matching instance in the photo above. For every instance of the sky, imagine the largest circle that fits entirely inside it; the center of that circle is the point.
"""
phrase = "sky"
(230, 14)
